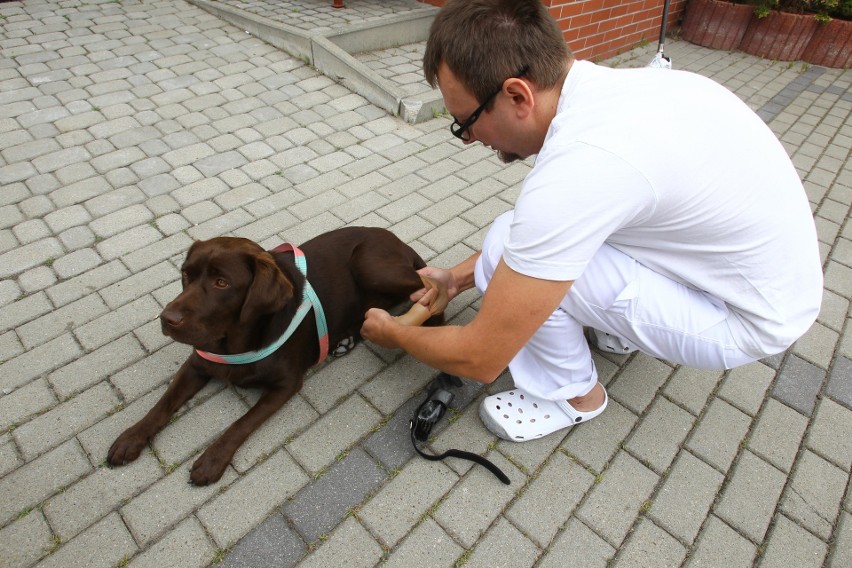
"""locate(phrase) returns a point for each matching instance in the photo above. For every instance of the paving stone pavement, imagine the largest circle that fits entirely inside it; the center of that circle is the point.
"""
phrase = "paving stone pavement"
(128, 129)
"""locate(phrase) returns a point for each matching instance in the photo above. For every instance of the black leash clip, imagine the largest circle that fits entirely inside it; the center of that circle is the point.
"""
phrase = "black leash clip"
(435, 406)
(431, 411)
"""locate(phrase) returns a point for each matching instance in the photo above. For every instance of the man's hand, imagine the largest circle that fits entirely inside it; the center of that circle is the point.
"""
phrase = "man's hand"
(433, 301)
(378, 326)
(440, 279)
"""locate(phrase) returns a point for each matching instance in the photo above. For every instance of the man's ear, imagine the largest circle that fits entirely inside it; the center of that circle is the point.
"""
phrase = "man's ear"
(521, 96)
(269, 291)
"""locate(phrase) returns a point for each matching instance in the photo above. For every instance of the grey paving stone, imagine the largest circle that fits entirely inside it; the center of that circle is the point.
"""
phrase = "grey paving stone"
(333, 433)
(105, 544)
(273, 543)
(817, 345)
(637, 385)
(93, 367)
(578, 541)
(187, 545)
(323, 504)
(42, 359)
(24, 402)
(475, 502)
(198, 427)
(350, 545)
(81, 259)
(657, 439)
(36, 279)
(745, 387)
(798, 384)
(397, 384)
(29, 255)
(528, 457)
(20, 312)
(25, 540)
(719, 434)
(791, 545)
(614, 503)
(720, 545)
(650, 541)
(9, 292)
(427, 544)
(400, 504)
(444, 236)
(148, 373)
(839, 385)
(750, 498)
(391, 444)
(841, 555)
(86, 283)
(251, 498)
(503, 545)
(778, 435)
(121, 220)
(80, 191)
(595, 443)
(86, 502)
(545, 506)
(277, 431)
(65, 420)
(145, 515)
(38, 479)
(834, 310)
(117, 323)
(829, 434)
(682, 504)
(128, 241)
(813, 498)
(141, 283)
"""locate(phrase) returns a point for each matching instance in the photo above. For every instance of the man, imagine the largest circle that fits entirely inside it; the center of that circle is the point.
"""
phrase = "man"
(661, 213)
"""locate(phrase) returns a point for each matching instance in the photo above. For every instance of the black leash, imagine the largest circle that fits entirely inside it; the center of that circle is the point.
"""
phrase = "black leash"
(430, 412)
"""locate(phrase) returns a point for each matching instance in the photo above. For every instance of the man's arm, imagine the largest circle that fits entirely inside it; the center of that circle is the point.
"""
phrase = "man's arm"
(513, 308)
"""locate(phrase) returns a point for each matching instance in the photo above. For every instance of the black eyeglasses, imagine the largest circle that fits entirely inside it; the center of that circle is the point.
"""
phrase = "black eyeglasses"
(461, 131)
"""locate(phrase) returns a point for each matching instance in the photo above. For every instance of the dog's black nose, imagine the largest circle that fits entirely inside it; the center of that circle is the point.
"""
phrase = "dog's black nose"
(171, 318)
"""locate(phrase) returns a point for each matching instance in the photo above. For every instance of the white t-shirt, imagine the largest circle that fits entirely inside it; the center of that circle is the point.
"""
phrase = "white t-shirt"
(675, 171)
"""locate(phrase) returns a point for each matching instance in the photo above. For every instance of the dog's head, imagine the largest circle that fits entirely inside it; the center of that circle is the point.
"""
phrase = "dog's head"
(227, 282)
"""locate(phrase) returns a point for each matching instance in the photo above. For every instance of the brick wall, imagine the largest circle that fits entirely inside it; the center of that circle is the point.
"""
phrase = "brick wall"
(597, 29)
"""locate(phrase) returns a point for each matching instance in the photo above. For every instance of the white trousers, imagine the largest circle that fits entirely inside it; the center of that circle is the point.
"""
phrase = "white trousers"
(619, 296)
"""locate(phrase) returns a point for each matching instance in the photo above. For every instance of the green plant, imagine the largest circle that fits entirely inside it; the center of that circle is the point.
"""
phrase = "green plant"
(822, 10)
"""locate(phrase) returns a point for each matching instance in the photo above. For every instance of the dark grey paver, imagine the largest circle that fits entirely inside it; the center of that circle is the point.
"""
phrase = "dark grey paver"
(391, 445)
(839, 385)
(322, 505)
(273, 543)
(798, 384)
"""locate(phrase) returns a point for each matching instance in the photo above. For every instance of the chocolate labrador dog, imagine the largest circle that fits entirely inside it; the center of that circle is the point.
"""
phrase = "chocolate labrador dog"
(240, 301)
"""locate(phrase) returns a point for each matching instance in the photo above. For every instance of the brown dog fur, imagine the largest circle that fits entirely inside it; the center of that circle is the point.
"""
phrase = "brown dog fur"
(237, 297)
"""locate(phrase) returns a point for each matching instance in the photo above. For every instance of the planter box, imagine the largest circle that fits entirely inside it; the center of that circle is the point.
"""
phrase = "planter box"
(831, 45)
(780, 36)
(716, 24)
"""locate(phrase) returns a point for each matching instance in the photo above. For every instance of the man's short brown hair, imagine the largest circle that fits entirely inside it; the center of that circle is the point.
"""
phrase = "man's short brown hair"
(484, 42)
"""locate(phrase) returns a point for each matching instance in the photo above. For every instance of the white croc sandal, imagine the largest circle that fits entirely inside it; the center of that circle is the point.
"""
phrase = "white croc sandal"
(607, 342)
(517, 416)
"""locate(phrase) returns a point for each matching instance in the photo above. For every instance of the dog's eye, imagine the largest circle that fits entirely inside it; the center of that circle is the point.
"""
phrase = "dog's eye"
(220, 283)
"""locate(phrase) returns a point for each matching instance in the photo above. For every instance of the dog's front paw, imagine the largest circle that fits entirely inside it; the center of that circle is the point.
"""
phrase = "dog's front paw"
(127, 447)
(209, 467)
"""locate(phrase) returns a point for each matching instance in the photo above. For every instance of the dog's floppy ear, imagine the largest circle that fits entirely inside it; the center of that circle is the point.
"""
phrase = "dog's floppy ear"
(269, 292)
